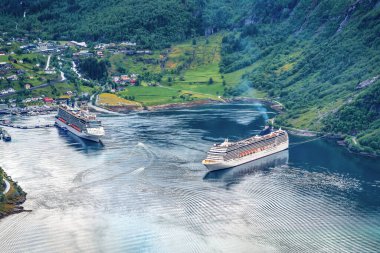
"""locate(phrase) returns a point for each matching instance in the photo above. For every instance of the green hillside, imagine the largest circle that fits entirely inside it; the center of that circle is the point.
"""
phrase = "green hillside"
(320, 58)
(312, 56)
(150, 23)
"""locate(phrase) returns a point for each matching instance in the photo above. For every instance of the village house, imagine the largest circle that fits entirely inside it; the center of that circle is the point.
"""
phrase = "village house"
(116, 79)
(47, 47)
(78, 44)
(28, 48)
(27, 86)
(127, 43)
(10, 90)
(101, 46)
(12, 78)
(20, 72)
(125, 78)
(83, 54)
(48, 100)
(50, 71)
(5, 68)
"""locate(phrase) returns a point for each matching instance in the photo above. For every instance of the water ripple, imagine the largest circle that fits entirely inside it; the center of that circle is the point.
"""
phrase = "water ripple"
(146, 191)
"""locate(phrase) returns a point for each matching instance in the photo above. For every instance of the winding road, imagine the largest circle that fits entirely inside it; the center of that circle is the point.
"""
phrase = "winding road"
(7, 187)
(48, 62)
(99, 109)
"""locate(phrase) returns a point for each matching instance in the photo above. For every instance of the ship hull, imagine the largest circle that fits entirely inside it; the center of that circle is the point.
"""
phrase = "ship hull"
(62, 125)
(246, 159)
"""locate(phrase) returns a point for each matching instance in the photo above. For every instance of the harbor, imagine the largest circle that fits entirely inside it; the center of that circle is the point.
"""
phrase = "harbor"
(12, 125)
(29, 110)
(148, 181)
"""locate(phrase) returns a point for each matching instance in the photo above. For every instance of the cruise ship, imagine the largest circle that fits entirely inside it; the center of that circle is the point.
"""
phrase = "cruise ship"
(79, 122)
(230, 154)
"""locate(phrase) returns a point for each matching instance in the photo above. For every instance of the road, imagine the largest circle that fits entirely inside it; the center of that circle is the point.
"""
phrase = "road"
(48, 62)
(99, 109)
(74, 68)
(7, 187)
(63, 78)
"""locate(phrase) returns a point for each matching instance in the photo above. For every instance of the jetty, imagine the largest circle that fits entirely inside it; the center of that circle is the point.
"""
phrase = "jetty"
(10, 124)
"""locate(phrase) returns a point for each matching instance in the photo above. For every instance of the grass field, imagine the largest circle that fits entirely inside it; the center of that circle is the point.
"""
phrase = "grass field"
(149, 96)
(190, 72)
(137, 64)
(3, 58)
(109, 99)
(187, 74)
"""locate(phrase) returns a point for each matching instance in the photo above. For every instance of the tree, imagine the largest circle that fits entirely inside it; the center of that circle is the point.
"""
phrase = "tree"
(210, 81)
(93, 68)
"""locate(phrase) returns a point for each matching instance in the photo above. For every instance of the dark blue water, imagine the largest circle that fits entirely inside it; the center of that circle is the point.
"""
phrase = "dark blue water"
(145, 190)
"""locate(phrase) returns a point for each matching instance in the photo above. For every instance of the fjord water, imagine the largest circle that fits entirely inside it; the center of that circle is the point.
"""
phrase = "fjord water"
(145, 190)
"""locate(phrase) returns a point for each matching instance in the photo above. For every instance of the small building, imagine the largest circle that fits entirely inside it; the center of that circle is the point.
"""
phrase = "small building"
(27, 86)
(83, 54)
(20, 72)
(115, 79)
(12, 78)
(124, 78)
(63, 99)
(50, 72)
(79, 44)
(48, 100)
(2, 53)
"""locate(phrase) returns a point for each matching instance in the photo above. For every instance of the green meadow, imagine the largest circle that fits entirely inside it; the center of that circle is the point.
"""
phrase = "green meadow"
(191, 73)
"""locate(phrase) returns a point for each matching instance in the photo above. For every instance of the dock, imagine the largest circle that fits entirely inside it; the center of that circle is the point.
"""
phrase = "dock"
(10, 124)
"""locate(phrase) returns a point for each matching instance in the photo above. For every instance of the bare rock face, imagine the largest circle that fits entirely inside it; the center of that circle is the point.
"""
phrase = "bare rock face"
(367, 82)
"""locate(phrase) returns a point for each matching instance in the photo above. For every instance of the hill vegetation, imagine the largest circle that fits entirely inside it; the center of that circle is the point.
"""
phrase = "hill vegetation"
(310, 55)
(10, 201)
(150, 23)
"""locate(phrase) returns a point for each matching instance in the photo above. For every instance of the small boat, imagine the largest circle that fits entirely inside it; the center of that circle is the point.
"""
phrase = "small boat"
(6, 136)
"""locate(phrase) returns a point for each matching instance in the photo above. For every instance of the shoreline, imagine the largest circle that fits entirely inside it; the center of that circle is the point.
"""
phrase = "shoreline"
(127, 109)
(12, 199)
(275, 105)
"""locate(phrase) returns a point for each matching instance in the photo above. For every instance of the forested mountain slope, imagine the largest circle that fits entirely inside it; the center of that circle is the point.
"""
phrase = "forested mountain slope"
(320, 58)
(151, 23)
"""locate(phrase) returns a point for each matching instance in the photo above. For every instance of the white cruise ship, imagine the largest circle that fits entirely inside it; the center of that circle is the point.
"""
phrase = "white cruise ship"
(231, 154)
(79, 122)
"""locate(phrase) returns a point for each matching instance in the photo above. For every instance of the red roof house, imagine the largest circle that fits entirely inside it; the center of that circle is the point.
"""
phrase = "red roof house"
(48, 100)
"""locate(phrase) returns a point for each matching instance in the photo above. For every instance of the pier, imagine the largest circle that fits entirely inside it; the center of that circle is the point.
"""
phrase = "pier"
(10, 124)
